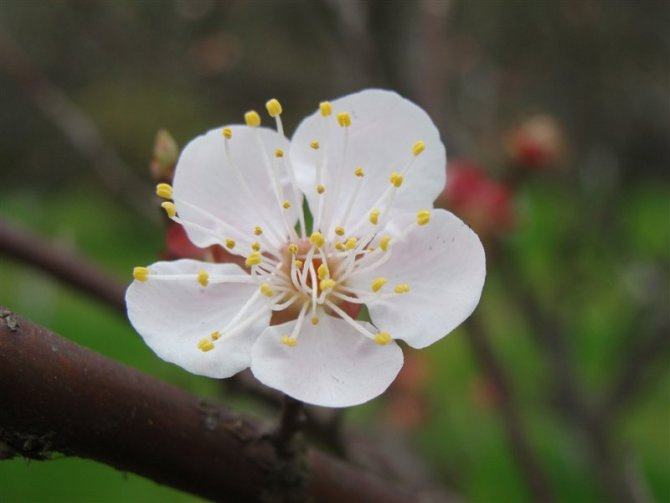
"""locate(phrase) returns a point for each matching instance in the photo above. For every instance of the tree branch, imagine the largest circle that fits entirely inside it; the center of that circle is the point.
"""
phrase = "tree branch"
(521, 447)
(61, 263)
(58, 396)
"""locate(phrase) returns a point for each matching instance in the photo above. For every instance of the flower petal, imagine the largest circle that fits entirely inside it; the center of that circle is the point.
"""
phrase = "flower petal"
(332, 365)
(384, 128)
(209, 192)
(444, 266)
(173, 315)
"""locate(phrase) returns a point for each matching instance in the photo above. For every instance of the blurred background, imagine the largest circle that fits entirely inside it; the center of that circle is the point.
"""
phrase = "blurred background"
(556, 118)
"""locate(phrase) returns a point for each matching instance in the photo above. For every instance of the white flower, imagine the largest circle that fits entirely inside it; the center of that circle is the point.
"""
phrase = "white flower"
(369, 166)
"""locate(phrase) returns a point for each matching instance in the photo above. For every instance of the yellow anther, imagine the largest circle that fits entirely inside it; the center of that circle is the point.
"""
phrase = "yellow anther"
(141, 273)
(401, 288)
(274, 107)
(314, 145)
(315, 320)
(266, 290)
(227, 133)
(258, 230)
(339, 246)
(289, 341)
(256, 246)
(374, 217)
(326, 284)
(164, 190)
(383, 338)
(322, 272)
(317, 239)
(378, 283)
(350, 243)
(339, 230)
(169, 208)
(254, 258)
(286, 204)
(292, 248)
(344, 119)
(320, 188)
(298, 263)
(384, 242)
(205, 345)
(279, 153)
(252, 118)
(423, 217)
(230, 244)
(326, 108)
(203, 278)
(396, 179)
(418, 147)
(359, 172)
(215, 335)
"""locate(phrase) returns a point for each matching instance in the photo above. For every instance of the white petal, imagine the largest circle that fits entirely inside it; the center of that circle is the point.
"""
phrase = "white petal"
(173, 315)
(332, 364)
(444, 265)
(384, 127)
(207, 178)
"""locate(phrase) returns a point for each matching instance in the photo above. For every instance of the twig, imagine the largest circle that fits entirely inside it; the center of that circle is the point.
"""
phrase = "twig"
(538, 481)
(57, 396)
(61, 263)
(77, 128)
(570, 401)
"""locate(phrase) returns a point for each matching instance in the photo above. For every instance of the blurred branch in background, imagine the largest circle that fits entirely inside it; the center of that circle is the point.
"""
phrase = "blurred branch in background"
(517, 433)
(57, 396)
(62, 263)
(76, 126)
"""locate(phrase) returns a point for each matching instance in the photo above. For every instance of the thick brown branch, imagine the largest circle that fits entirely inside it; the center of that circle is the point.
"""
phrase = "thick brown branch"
(61, 263)
(55, 395)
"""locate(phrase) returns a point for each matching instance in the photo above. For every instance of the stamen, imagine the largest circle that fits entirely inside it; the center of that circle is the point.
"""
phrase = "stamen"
(258, 230)
(253, 259)
(315, 320)
(266, 290)
(169, 208)
(289, 341)
(279, 153)
(339, 230)
(384, 242)
(292, 249)
(351, 243)
(230, 244)
(374, 217)
(344, 119)
(215, 335)
(322, 272)
(252, 118)
(141, 273)
(314, 145)
(401, 288)
(320, 188)
(326, 108)
(378, 283)
(396, 179)
(256, 246)
(273, 107)
(327, 284)
(317, 239)
(383, 338)
(359, 171)
(164, 190)
(418, 147)
(205, 345)
(286, 204)
(227, 133)
(203, 278)
(423, 217)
